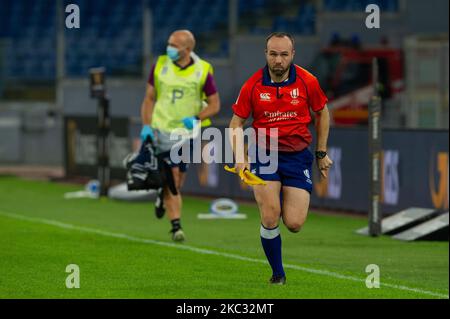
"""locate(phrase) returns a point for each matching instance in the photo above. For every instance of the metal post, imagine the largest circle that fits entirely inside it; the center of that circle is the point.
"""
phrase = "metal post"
(103, 145)
(375, 153)
(98, 90)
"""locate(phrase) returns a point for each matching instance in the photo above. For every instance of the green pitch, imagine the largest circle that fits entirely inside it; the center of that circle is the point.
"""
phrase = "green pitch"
(123, 251)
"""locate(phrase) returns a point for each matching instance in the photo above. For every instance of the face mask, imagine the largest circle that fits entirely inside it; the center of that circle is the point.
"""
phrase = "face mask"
(173, 53)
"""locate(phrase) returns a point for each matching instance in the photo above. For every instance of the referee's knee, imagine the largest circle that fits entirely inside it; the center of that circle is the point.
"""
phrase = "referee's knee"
(294, 227)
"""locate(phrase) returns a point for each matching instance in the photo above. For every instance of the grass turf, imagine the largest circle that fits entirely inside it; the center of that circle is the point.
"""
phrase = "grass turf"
(34, 255)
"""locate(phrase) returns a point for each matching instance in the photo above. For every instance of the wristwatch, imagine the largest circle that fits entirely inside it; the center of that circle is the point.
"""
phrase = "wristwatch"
(320, 154)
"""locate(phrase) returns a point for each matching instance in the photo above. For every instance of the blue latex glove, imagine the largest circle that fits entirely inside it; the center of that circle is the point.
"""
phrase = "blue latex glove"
(190, 121)
(147, 131)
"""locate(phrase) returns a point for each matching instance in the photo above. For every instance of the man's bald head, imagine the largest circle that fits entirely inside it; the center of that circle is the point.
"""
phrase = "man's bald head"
(182, 39)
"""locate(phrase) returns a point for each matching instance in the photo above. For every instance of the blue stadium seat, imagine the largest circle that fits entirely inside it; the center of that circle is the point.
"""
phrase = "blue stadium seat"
(32, 34)
(112, 29)
(359, 5)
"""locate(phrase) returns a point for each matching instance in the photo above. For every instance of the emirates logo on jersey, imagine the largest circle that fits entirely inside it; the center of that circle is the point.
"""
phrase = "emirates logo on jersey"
(294, 93)
(280, 116)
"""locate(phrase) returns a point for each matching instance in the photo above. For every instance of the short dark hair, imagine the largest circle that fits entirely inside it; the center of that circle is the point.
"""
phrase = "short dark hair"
(281, 35)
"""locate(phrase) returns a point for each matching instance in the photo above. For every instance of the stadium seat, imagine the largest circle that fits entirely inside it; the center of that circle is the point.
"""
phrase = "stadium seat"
(359, 5)
(108, 24)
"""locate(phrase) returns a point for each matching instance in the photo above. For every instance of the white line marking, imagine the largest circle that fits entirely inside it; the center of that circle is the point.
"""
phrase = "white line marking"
(208, 252)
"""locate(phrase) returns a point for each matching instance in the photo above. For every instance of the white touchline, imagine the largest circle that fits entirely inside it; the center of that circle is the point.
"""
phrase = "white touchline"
(208, 251)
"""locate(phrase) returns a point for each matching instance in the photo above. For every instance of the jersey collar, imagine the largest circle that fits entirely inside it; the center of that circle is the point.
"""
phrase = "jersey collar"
(191, 62)
(268, 81)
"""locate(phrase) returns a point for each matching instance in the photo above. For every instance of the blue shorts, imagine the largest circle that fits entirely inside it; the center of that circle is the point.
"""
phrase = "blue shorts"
(294, 169)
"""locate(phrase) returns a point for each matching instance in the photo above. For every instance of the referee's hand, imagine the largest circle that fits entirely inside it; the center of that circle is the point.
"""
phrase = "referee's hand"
(241, 167)
(324, 165)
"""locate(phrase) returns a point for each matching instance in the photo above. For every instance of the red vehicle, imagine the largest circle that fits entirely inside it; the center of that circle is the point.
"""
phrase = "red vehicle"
(345, 74)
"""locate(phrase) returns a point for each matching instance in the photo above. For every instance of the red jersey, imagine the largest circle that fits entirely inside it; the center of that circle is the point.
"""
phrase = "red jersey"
(285, 105)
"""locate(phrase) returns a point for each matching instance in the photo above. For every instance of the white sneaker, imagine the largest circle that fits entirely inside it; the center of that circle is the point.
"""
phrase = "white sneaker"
(178, 235)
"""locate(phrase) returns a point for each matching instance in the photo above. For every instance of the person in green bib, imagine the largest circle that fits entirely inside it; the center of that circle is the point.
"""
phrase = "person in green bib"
(181, 93)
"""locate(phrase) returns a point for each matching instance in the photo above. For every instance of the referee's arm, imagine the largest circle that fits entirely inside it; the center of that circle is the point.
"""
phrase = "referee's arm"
(236, 135)
(322, 124)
